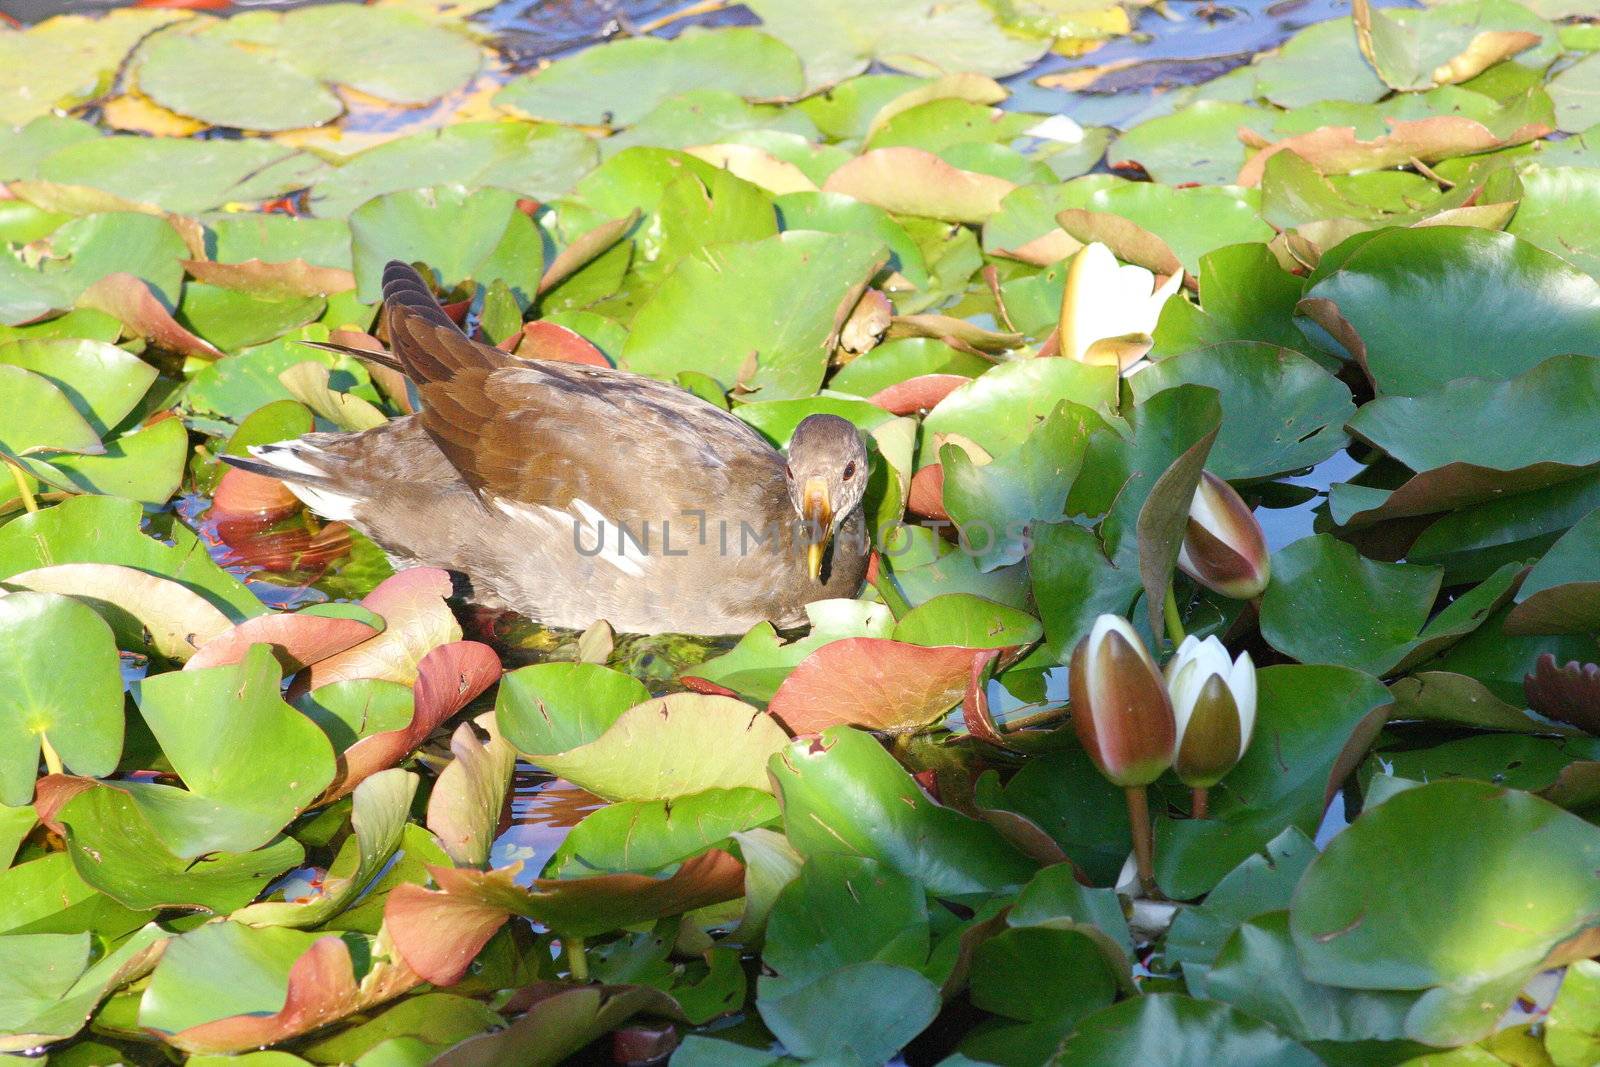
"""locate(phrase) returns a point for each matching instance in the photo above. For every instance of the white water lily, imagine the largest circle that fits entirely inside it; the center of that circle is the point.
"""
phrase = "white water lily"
(1214, 703)
(1109, 309)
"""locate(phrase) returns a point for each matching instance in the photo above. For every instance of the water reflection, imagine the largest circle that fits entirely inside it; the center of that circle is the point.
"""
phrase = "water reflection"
(544, 809)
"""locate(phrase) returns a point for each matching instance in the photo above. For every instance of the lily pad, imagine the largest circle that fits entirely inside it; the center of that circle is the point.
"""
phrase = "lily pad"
(620, 82)
(1281, 412)
(1513, 306)
(1183, 1033)
(842, 793)
(774, 340)
(1561, 594)
(671, 747)
(1447, 838)
(461, 234)
(71, 701)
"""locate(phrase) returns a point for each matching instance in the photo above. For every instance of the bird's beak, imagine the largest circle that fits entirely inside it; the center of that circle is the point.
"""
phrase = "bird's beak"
(817, 511)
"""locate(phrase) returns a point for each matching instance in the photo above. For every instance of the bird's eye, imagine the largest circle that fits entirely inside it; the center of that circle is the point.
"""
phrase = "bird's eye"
(787, 473)
(849, 470)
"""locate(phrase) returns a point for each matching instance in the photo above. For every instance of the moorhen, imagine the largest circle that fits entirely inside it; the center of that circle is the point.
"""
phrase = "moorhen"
(570, 493)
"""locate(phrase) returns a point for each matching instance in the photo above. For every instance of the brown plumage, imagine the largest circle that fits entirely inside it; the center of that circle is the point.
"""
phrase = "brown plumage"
(572, 493)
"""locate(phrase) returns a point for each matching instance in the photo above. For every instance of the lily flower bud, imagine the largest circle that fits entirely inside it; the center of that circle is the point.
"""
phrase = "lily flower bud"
(1223, 546)
(1120, 707)
(1214, 702)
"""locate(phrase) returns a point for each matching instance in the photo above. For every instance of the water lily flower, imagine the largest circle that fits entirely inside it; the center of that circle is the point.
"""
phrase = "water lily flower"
(1214, 703)
(1109, 309)
(1223, 546)
(1124, 720)
(1120, 707)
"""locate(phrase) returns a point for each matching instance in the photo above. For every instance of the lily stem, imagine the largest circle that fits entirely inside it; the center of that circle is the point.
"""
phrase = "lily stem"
(1201, 802)
(23, 490)
(1174, 620)
(1143, 844)
(577, 959)
(52, 759)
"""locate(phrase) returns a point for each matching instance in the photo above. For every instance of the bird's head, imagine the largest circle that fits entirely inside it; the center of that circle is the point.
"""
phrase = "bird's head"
(827, 475)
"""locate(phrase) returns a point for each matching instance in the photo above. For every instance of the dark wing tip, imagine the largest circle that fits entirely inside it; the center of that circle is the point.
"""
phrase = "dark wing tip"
(403, 287)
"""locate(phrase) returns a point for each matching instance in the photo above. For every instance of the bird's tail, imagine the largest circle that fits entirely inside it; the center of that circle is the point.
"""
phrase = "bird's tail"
(310, 472)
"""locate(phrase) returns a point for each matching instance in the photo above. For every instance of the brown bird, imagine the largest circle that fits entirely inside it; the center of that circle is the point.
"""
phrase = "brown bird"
(571, 493)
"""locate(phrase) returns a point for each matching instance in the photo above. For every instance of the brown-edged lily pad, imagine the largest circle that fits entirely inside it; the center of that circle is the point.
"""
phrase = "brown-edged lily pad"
(440, 931)
(874, 682)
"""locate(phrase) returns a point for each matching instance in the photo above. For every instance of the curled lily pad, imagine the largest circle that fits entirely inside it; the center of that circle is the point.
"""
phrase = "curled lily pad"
(144, 610)
(911, 181)
(464, 807)
(1562, 592)
(296, 640)
(448, 677)
(226, 987)
(416, 619)
(647, 836)
(440, 931)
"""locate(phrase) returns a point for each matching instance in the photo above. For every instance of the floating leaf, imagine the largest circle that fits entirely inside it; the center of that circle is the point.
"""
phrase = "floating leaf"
(673, 746)
(1562, 592)
(872, 682)
(145, 611)
(911, 181)
(1355, 917)
(620, 82)
(842, 793)
(464, 807)
(70, 700)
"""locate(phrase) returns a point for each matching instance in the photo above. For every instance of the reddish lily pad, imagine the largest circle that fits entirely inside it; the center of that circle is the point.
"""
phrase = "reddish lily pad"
(440, 931)
(874, 682)
(297, 640)
(447, 679)
(416, 619)
(128, 299)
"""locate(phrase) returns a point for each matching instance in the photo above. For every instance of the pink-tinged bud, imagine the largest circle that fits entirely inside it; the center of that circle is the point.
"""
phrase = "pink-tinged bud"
(1214, 703)
(1223, 547)
(1120, 707)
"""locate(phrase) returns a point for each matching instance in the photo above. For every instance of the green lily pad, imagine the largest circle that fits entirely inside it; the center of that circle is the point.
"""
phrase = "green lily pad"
(835, 39)
(1512, 305)
(1513, 853)
(247, 771)
(1000, 407)
(1198, 143)
(51, 986)
(1308, 718)
(461, 234)
(672, 747)
(620, 82)
(1576, 92)
(556, 707)
(842, 793)
(1327, 604)
(1505, 436)
(40, 418)
(67, 60)
(96, 529)
(1554, 210)
(1419, 49)
(183, 72)
(117, 851)
(530, 159)
(1263, 882)
(1245, 295)
(103, 381)
(760, 315)
(1175, 1030)
(995, 504)
(385, 52)
(70, 699)
(648, 836)
(968, 621)
(1321, 62)
(1192, 222)
(758, 664)
(183, 175)
(848, 933)
(1258, 972)
(1281, 412)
